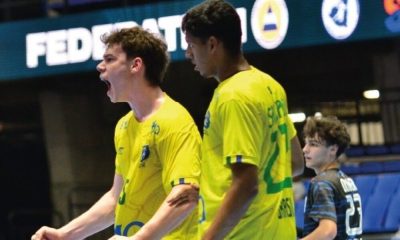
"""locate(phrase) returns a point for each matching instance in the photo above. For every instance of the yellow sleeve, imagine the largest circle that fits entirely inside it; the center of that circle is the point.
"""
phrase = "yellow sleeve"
(117, 144)
(291, 128)
(179, 154)
(120, 142)
(242, 132)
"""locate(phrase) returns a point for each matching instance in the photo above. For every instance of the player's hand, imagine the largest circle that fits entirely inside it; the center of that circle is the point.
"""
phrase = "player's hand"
(188, 193)
(47, 233)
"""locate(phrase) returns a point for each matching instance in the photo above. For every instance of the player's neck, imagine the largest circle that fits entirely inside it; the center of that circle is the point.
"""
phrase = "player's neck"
(146, 103)
(231, 66)
(331, 165)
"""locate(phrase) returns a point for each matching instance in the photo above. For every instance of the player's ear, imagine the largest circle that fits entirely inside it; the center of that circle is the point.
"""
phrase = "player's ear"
(212, 43)
(136, 64)
(333, 149)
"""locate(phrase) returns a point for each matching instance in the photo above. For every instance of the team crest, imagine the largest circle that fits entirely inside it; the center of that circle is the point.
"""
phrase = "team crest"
(145, 155)
(207, 122)
(269, 22)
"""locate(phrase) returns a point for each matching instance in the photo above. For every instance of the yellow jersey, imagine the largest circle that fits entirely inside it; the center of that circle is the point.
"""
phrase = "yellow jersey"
(153, 156)
(247, 122)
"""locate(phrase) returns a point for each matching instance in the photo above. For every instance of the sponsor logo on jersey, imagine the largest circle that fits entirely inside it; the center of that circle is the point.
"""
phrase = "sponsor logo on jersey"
(340, 17)
(124, 125)
(129, 229)
(286, 208)
(120, 150)
(269, 22)
(155, 128)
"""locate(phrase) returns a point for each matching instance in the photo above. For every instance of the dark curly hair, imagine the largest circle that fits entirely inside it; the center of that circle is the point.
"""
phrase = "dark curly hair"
(137, 42)
(215, 18)
(330, 129)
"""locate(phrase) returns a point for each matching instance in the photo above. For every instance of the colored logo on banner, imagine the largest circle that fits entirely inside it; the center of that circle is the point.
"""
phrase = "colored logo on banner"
(269, 22)
(392, 22)
(340, 17)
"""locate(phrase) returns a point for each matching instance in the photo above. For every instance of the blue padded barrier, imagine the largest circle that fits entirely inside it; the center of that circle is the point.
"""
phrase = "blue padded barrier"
(380, 203)
(374, 213)
(392, 221)
(365, 185)
(387, 184)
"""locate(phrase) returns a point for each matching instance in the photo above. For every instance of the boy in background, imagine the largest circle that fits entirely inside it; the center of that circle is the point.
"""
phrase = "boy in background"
(333, 204)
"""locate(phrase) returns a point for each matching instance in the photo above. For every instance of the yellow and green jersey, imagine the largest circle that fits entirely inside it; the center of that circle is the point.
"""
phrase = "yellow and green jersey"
(153, 156)
(247, 122)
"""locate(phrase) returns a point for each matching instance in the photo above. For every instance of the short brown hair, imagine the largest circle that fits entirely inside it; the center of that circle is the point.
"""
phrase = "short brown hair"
(137, 42)
(330, 129)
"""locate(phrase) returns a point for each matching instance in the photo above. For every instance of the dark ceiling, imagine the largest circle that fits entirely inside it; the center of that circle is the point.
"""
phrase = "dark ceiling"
(310, 75)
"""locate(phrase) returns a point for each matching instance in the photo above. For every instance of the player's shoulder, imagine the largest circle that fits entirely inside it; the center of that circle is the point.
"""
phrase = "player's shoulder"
(174, 116)
(329, 179)
(323, 180)
(124, 120)
(175, 110)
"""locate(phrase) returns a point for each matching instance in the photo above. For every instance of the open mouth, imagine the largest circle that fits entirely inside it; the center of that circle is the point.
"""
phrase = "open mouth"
(108, 84)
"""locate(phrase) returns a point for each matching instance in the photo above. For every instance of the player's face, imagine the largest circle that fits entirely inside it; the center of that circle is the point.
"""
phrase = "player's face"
(199, 54)
(115, 72)
(317, 154)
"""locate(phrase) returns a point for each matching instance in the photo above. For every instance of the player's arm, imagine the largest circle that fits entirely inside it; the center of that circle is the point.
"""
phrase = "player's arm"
(168, 216)
(326, 230)
(243, 189)
(97, 218)
(187, 194)
(297, 157)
